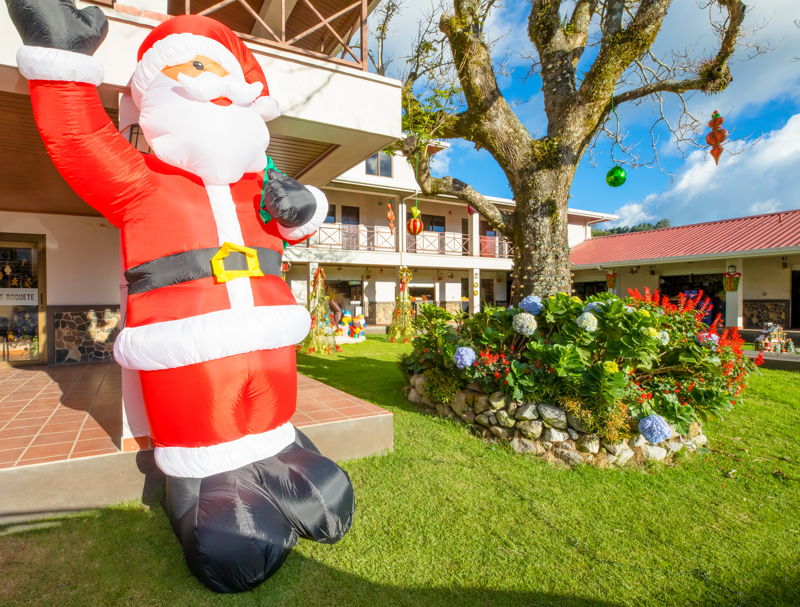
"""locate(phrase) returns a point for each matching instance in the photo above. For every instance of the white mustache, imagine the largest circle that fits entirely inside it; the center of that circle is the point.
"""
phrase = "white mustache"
(208, 86)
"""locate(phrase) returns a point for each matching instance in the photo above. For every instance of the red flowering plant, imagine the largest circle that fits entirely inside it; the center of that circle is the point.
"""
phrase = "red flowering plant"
(607, 360)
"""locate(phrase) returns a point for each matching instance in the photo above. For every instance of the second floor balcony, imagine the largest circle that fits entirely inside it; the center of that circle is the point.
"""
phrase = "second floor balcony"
(359, 237)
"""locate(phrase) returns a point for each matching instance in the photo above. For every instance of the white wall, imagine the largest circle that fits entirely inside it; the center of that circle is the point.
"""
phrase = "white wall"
(82, 256)
(766, 278)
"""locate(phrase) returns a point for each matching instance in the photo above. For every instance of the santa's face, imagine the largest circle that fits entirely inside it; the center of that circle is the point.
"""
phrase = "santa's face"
(199, 118)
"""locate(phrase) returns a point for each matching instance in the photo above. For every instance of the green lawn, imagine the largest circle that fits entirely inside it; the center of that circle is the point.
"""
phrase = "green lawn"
(448, 520)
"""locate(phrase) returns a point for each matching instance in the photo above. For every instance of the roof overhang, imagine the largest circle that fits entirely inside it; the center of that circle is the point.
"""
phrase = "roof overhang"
(685, 258)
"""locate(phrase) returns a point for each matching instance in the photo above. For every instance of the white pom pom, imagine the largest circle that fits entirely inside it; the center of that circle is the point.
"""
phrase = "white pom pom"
(268, 108)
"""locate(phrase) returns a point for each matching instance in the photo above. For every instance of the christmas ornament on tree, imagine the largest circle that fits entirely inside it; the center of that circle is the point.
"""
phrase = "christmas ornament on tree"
(471, 210)
(717, 136)
(318, 340)
(414, 225)
(402, 327)
(616, 177)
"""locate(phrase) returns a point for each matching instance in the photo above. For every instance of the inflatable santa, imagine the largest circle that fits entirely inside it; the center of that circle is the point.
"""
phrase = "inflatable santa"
(210, 325)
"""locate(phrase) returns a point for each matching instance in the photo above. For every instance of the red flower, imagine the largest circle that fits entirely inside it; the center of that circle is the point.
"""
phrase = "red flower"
(759, 359)
(497, 374)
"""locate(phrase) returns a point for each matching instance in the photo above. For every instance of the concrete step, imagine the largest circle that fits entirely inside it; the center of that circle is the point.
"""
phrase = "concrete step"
(42, 490)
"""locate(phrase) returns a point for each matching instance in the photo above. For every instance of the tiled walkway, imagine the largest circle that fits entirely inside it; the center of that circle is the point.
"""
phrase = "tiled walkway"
(56, 413)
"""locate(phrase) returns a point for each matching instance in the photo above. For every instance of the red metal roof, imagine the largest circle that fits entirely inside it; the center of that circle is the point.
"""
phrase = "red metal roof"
(741, 234)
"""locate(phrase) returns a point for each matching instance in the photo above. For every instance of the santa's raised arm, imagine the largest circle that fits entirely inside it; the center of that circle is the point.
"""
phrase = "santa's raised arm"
(211, 327)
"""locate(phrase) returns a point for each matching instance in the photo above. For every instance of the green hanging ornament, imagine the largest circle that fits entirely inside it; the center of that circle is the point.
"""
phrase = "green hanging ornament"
(616, 177)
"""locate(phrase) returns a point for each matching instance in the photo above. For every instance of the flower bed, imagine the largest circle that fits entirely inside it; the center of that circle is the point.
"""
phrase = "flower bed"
(604, 380)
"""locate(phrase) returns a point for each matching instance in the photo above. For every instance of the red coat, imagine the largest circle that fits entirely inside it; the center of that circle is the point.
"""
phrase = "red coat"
(195, 332)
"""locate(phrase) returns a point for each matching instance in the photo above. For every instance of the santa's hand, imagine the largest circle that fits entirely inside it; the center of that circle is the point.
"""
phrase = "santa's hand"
(58, 24)
(289, 202)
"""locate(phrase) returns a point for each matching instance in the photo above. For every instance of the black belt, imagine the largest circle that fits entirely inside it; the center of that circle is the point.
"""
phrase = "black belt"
(202, 263)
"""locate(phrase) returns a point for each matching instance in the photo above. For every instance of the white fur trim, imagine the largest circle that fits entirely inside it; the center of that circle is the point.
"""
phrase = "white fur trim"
(311, 226)
(197, 339)
(240, 293)
(200, 462)
(267, 107)
(40, 63)
(176, 49)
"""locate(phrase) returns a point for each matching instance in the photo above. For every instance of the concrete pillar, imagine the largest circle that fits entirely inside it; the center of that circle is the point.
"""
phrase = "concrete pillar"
(401, 227)
(474, 234)
(734, 300)
(312, 269)
(475, 292)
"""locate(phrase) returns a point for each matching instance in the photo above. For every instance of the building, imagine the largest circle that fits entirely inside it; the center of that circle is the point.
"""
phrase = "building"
(761, 253)
(458, 262)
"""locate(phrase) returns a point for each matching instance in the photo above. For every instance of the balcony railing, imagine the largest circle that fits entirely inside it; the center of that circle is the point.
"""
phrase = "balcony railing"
(495, 246)
(354, 238)
(439, 243)
(319, 29)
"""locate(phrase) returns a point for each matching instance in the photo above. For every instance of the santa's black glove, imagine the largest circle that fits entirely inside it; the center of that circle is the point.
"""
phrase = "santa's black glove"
(58, 24)
(289, 202)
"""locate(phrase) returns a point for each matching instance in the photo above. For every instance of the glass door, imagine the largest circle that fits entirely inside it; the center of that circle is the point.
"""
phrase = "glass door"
(22, 298)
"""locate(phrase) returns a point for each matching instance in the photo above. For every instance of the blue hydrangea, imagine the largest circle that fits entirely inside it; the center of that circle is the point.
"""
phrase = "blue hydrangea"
(524, 324)
(587, 321)
(663, 337)
(630, 309)
(532, 304)
(707, 339)
(655, 429)
(464, 357)
(593, 306)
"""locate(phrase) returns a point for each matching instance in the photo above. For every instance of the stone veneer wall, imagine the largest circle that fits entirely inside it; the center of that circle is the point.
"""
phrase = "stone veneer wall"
(547, 430)
(380, 313)
(759, 311)
(83, 334)
(453, 307)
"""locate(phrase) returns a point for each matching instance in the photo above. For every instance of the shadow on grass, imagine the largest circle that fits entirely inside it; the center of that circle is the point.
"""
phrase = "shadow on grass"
(126, 553)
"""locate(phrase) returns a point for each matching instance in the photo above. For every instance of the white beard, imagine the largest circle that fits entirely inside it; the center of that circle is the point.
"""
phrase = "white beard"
(217, 143)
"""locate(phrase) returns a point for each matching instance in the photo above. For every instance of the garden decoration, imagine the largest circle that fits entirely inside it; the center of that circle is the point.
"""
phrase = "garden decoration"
(611, 280)
(213, 344)
(415, 225)
(320, 335)
(717, 136)
(773, 338)
(402, 326)
(603, 381)
(390, 217)
(732, 280)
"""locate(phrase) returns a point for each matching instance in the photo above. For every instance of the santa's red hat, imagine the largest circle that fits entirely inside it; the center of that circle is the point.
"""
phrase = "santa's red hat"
(181, 38)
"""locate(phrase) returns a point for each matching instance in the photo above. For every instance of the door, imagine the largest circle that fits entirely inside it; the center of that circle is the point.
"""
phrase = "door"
(22, 301)
(350, 225)
(795, 315)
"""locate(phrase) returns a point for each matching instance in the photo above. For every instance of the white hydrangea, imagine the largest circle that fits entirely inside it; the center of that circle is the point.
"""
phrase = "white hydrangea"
(524, 324)
(663, 337)
(587, 321)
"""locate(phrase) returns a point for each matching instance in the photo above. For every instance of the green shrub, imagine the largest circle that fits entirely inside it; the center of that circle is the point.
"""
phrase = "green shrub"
(439, 386)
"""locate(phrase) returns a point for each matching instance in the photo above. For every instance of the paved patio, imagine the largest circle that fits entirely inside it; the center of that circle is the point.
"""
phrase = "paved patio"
(57, 413)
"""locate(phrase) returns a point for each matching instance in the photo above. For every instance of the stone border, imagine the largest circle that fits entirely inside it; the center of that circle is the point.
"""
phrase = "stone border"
(546, 430)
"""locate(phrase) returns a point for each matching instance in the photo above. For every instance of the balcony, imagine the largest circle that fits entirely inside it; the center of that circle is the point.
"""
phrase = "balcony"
(439, 243)
(333, 30)
(354, 238)
(495, 246)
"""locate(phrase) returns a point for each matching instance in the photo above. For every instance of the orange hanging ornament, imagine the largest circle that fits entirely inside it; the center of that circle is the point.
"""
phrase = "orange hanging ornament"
(390, 216)
(717, 136)
(414, 225)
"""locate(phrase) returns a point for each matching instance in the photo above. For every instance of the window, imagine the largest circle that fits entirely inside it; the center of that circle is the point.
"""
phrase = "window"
(331, 216)
(379, 164)
(433, 223)
(350, 216)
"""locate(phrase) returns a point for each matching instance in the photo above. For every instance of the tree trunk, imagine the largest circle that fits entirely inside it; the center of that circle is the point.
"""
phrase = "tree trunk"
(541, 252)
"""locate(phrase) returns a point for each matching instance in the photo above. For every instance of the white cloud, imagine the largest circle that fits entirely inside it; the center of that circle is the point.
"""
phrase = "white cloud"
(759, 178)
(631, 214)
(440, 162)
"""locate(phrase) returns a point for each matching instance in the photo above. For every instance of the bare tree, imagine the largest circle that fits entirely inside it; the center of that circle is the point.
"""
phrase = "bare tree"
(387, 11)
(540, 169)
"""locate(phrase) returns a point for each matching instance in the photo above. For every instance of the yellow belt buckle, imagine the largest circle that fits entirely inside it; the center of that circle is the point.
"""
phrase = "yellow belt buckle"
(218, 263)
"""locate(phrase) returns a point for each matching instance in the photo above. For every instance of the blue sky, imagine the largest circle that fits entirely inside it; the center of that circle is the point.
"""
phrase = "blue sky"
(761, 109)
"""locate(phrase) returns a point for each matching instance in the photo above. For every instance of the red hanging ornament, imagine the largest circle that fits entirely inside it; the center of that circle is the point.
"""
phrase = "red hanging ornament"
(390, 216)
(471, 210)
(717, 136)
(414, 225)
